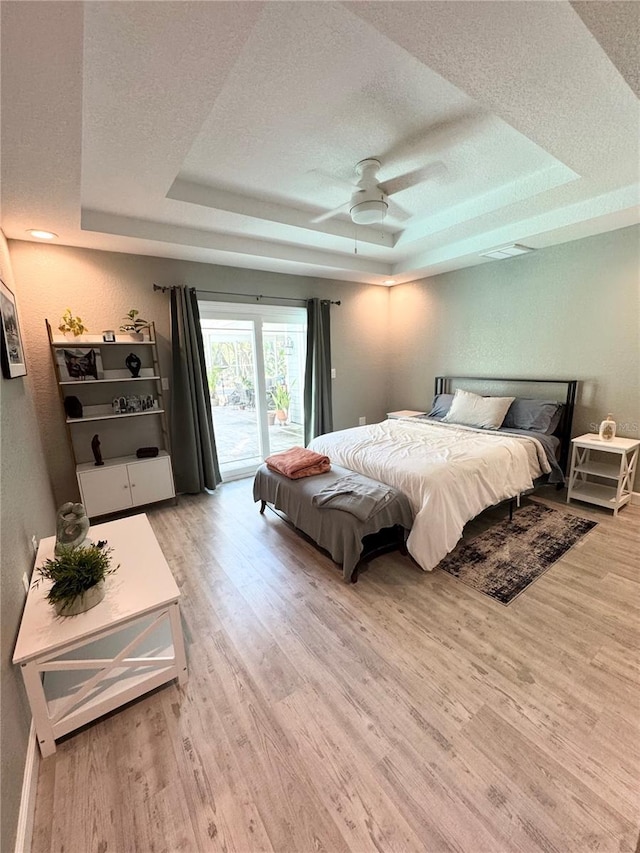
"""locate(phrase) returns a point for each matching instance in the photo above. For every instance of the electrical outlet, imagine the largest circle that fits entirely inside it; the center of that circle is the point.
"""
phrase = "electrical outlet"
(362, 421)
(34, 543)
(165, 383)
(333, 373)
(25, 582)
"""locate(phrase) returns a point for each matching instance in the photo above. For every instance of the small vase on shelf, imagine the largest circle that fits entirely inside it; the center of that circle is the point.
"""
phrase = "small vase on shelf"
(607, 430)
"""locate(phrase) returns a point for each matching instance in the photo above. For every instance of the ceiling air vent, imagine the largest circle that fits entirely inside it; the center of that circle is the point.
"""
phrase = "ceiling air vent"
(507, 251)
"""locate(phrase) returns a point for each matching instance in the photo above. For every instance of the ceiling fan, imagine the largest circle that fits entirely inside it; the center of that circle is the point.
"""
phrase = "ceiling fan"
(370, 201)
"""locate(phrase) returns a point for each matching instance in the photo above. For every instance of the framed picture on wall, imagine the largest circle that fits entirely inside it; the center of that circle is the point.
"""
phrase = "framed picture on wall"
(13, 363)
(77, 364)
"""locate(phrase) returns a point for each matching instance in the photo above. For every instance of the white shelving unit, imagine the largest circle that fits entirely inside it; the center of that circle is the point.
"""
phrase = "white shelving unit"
(124, 480)
(114, 379)
(614, 461)
(111, 417)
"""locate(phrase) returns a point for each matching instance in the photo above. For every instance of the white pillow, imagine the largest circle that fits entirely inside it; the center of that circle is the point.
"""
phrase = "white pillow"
(472, 410)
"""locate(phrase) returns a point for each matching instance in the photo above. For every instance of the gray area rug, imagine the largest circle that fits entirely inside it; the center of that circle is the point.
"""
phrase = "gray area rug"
(504, 560)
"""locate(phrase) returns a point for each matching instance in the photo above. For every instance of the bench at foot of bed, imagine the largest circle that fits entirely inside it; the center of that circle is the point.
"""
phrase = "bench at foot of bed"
(337, 531)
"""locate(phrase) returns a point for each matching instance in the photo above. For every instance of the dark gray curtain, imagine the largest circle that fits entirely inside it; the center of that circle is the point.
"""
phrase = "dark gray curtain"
(193, 446)
(318, 408)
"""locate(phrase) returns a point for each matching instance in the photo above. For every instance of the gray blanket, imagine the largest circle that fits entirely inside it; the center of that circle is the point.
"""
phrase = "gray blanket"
(338, 532)
(361, 497)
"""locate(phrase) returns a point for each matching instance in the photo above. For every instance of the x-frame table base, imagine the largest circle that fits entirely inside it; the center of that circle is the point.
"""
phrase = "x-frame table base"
(68, 689)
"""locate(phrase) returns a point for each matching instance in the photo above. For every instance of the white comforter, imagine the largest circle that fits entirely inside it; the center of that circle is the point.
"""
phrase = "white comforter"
(449, 473)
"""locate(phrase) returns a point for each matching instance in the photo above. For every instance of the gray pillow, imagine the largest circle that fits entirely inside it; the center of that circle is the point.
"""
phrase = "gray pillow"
(440, 406)
(536, 415)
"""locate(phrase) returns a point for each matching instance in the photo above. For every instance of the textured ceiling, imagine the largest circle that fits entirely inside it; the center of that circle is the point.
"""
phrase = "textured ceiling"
(614, 23)
(220, 131)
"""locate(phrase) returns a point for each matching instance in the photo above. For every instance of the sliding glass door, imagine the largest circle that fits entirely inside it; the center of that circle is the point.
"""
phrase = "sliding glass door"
(255, 366)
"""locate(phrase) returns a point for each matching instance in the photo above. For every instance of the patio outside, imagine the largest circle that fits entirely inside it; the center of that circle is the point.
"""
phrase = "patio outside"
(237, 435)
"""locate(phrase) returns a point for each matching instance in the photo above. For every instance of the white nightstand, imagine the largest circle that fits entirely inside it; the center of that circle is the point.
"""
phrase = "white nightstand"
(405, 413)
(587, 462)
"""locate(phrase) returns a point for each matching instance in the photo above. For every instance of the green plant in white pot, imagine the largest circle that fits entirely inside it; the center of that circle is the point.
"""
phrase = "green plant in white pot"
(78, 574)
(134, 324)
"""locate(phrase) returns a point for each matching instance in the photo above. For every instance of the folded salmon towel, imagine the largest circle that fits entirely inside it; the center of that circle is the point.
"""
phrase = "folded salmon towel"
(298, 462)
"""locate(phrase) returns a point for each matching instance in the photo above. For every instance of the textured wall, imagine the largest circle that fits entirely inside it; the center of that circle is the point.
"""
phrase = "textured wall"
(569, 311)
(26, 507)
(102, 286)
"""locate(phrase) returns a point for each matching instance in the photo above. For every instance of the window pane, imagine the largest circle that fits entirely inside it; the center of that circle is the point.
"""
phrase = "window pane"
(284, 355)
(245, 404)
(229, 355)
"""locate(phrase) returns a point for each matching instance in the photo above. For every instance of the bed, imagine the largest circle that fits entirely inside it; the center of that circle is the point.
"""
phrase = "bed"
(452, 471)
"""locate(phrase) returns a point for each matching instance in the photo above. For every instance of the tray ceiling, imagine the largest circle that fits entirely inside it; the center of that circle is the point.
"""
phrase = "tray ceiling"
(220, 131)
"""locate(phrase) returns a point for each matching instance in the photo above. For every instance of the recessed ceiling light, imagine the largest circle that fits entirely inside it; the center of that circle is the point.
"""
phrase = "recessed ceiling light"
(41, 235)
(389, 281)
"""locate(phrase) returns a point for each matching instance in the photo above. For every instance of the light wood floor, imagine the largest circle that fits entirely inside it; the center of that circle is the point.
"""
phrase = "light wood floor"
(405, 713)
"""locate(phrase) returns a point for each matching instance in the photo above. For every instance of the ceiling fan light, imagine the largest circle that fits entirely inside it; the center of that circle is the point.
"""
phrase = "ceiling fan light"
(369, 212)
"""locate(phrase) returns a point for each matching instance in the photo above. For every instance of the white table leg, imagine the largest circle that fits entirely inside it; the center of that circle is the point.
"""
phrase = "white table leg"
(178, 643)
(39, 708)
(573, 474)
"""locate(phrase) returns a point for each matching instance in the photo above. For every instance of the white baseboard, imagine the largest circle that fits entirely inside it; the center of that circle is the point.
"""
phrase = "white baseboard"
(28, 796)
(635, 498)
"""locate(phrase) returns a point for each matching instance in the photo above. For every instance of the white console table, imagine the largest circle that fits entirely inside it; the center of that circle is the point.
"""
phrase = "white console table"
(77, 668)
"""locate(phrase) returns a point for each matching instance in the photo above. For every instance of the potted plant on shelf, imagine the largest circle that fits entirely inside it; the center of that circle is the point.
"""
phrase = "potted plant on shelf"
(281, 400)
(78, 573)
(70, 325)
(133, 324)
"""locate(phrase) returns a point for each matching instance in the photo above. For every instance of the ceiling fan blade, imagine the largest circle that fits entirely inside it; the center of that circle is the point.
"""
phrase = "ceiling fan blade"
(330, 213)
(435, 138)
(335, 180)
(411, 179)
(397, 212)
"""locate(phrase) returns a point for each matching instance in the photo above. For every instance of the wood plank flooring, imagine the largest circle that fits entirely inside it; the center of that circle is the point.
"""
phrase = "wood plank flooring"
(404, 713)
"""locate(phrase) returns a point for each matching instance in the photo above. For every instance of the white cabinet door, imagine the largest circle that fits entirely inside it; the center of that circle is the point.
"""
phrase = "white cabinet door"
(150, 480)
(105, 490)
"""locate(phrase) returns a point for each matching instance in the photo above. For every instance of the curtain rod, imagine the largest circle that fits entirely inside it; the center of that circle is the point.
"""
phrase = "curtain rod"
(249, 295)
